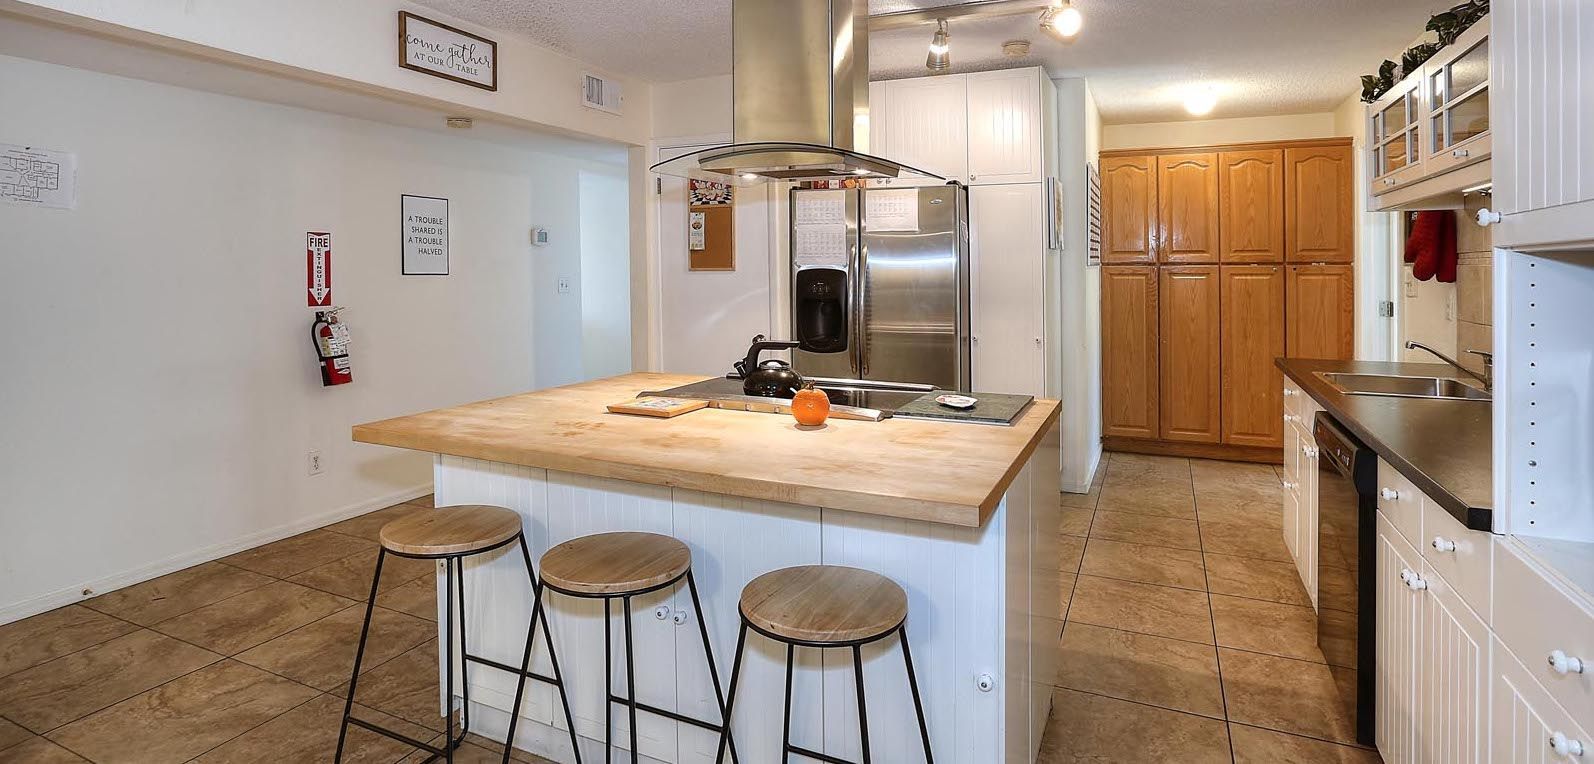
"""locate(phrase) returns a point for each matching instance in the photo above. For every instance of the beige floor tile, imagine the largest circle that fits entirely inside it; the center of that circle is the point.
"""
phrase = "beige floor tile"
(173, 594)
(1245, 540)
(351, 576)
(1208, 474)
(74, 686)
(1057, 551)
(184, 717)
(245, 620)
(1254, 745)
(1170, 673)
(1284, 694)
(1150, 496)
(11, 734)
(1144, 608)
(1147, 564)
(417, 598)
(1092, 728)
(310, 733)
(1069, 521)
(1257, 579)
(1146, 529)
(1250, 509)
(1080, 500)
(1128, 468)
(405, 687)
(298, 554)
(480, 750)
(369, 525)
(1266, 627)
(50, 635)
(321, 654)
(38, 750)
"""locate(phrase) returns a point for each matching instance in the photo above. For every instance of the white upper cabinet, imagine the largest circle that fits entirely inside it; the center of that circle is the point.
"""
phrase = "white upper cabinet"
(1005, 126)
(1456, 104)
(925, 124)
(1393, 142)
(1543, 114)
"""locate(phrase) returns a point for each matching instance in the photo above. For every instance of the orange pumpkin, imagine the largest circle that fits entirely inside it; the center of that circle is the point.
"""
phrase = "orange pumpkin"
(810, 406)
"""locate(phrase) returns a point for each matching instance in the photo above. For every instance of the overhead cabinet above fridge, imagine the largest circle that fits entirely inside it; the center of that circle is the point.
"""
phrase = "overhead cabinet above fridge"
(978, 129)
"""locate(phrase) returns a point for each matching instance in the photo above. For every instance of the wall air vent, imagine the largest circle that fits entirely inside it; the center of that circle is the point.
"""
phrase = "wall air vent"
(601, 94)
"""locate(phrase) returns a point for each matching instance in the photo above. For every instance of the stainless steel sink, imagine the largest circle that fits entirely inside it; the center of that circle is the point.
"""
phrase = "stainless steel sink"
(1399, 386)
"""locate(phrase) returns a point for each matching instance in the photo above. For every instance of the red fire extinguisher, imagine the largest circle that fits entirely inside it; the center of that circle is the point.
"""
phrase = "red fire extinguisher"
(331, 339)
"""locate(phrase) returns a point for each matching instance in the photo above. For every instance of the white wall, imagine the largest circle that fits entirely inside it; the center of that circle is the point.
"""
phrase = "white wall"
(161, 392)
(1214, 132)
(692, 108)
(1078, 365)
(605, 276)
(1377, 271)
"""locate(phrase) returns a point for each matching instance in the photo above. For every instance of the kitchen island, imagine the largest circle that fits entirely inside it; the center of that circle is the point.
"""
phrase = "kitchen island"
(945, 509)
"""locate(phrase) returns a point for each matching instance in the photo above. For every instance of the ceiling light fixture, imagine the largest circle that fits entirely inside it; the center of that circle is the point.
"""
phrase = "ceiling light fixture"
(1062, 19)
(1201, 101)
(940, 58)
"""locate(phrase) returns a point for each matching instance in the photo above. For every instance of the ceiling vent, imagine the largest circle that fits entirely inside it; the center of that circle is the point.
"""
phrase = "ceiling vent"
(600, 93)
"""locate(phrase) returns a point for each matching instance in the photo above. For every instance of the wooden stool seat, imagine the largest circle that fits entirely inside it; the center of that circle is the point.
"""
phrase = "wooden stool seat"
(450, 530)
(615, 563)
(825, 604)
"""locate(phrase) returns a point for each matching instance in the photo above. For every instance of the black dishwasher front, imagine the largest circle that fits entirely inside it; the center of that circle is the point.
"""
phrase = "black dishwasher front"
(1347, 503)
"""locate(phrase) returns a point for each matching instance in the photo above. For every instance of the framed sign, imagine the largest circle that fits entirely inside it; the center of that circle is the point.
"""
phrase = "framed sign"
(448, 52)
(425, 235)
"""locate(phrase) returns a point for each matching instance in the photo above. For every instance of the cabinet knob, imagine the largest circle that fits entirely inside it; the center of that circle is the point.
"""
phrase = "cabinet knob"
(1416, 584)
(1288, 392)
(662, 612)
(680, 617)
(1565, 746)
(1562, 663)
(1459, 153)
(1443, 544)
(1488, 217)
(1389, 494)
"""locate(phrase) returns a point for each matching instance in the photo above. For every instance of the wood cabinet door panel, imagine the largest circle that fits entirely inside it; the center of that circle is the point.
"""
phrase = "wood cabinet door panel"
(1318, 185)
(1190, 364)
(1320, 312)
(1187, 208)
(1129, 351)
(1251, 206)
(1129, 209)
(1252, 337)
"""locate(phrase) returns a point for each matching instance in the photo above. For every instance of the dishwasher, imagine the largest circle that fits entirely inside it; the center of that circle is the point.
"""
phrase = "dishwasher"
(1347, 527)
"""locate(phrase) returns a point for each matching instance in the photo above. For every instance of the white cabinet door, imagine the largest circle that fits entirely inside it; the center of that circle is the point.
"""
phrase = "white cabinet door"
(1005, 126)
(926, 124)
(1008, 243)
(1306, 533)
(1525, 724)
(876, 137)
(1398, 626)
(1453, 677)
(1291, 493)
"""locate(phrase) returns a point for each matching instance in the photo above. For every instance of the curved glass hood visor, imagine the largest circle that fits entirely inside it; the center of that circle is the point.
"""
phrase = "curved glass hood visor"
(751, 164)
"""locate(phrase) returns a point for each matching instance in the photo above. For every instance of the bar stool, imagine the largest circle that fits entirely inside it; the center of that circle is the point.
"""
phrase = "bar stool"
(620, 566)
(826, 606)
(452, 534)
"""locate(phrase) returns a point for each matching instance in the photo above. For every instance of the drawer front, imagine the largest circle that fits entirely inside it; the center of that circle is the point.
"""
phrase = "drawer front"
(1401, 502)
(1524, 721)
(1464, 557)
(1535, 618)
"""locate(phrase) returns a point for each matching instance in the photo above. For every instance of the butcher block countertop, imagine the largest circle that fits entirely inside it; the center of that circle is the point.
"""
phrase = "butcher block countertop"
(944, 472)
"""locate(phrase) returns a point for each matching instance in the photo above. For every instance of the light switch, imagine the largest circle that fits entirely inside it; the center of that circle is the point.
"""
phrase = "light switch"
(564, 285)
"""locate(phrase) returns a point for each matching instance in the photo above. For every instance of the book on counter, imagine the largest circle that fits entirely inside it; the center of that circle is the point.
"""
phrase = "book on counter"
(657, 407)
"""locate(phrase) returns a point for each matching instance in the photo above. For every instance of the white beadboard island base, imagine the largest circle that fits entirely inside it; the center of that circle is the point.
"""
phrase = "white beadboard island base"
(971, 616)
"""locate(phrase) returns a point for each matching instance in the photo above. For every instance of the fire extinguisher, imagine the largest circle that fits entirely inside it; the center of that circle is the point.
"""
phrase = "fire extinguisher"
(331, 338)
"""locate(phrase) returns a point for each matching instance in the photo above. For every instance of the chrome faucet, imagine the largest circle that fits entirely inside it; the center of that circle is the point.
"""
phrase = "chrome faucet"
(1487, 377)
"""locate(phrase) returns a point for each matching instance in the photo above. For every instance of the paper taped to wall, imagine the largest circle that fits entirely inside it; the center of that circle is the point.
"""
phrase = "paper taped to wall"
(819, 207)
(38, 177)
(887, 210)
(822, 244)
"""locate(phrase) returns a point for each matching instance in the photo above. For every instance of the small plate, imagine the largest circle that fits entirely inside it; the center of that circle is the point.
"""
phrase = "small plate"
(956, 401)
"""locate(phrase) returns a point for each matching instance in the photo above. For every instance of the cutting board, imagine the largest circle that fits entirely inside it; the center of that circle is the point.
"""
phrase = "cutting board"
(992, 408)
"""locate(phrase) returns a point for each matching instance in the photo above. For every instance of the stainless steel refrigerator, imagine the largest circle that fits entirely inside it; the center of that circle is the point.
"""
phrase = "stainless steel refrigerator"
(880, 284)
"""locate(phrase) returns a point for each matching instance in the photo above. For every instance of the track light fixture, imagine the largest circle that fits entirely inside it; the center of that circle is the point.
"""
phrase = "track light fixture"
(940, 58)
(1062, 19)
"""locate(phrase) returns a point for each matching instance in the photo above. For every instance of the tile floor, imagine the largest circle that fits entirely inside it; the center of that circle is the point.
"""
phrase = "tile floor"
(1187, 638)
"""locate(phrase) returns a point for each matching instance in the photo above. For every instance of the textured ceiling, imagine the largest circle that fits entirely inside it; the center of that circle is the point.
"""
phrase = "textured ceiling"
(1140, 56)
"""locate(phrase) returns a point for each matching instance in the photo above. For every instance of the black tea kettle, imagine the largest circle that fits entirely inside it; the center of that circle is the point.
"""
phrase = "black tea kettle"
(770, 378)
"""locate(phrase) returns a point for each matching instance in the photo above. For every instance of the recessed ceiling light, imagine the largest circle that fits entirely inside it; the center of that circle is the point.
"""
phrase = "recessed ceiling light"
(940, 57)
(1062, 19)
(749, 176)
(1201, 101)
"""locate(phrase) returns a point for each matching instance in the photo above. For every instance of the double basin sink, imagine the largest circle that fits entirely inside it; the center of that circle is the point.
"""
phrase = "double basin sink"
(1401, 386)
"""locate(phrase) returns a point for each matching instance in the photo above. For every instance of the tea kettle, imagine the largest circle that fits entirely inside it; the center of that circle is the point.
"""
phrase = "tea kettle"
(772, 377)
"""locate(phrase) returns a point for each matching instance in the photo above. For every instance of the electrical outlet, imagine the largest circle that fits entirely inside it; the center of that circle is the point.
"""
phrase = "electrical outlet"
(564, 285)
(314, 463)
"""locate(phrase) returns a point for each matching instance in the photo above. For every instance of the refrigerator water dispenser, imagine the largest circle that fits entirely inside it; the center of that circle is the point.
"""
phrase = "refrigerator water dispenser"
(821, 310)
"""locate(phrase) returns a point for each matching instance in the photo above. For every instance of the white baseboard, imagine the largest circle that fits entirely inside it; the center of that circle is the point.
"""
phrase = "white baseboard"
(16, 611)
(1082, 485)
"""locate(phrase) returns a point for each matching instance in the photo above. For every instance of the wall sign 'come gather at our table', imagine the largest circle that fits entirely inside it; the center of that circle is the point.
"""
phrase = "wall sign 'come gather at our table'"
(443, 51)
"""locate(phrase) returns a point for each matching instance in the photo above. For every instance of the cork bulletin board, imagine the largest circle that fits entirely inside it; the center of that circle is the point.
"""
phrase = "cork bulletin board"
(710, 226)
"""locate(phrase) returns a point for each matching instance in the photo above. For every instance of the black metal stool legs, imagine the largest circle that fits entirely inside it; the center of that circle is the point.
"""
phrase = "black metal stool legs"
(630, 677)
(708, 655)
(359, 654)
(538, 614)
(913, 686)
(863, 710)
(730, 696)
(448, 661)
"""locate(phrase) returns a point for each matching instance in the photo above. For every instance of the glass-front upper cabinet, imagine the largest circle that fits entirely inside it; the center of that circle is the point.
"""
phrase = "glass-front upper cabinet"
(1395, 147)
(1456, 126)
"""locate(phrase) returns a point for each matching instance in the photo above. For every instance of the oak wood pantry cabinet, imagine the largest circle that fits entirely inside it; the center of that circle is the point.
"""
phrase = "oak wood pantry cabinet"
(1216, 261)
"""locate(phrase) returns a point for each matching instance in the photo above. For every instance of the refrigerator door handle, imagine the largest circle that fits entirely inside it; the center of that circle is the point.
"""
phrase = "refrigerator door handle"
(863, 310)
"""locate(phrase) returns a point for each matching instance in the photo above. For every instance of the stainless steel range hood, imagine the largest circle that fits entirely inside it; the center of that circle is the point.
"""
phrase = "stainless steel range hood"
(800, 97)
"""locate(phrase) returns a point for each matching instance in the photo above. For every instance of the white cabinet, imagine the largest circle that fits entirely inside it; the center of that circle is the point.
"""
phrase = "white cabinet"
(1395, 154)
(923, 123)
(1398, 633)
(1007, 239)
(1300, 485)
(1453, 676)
(1456, 103)
(1005, 129)
(1543, 115)
(1525, 724)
